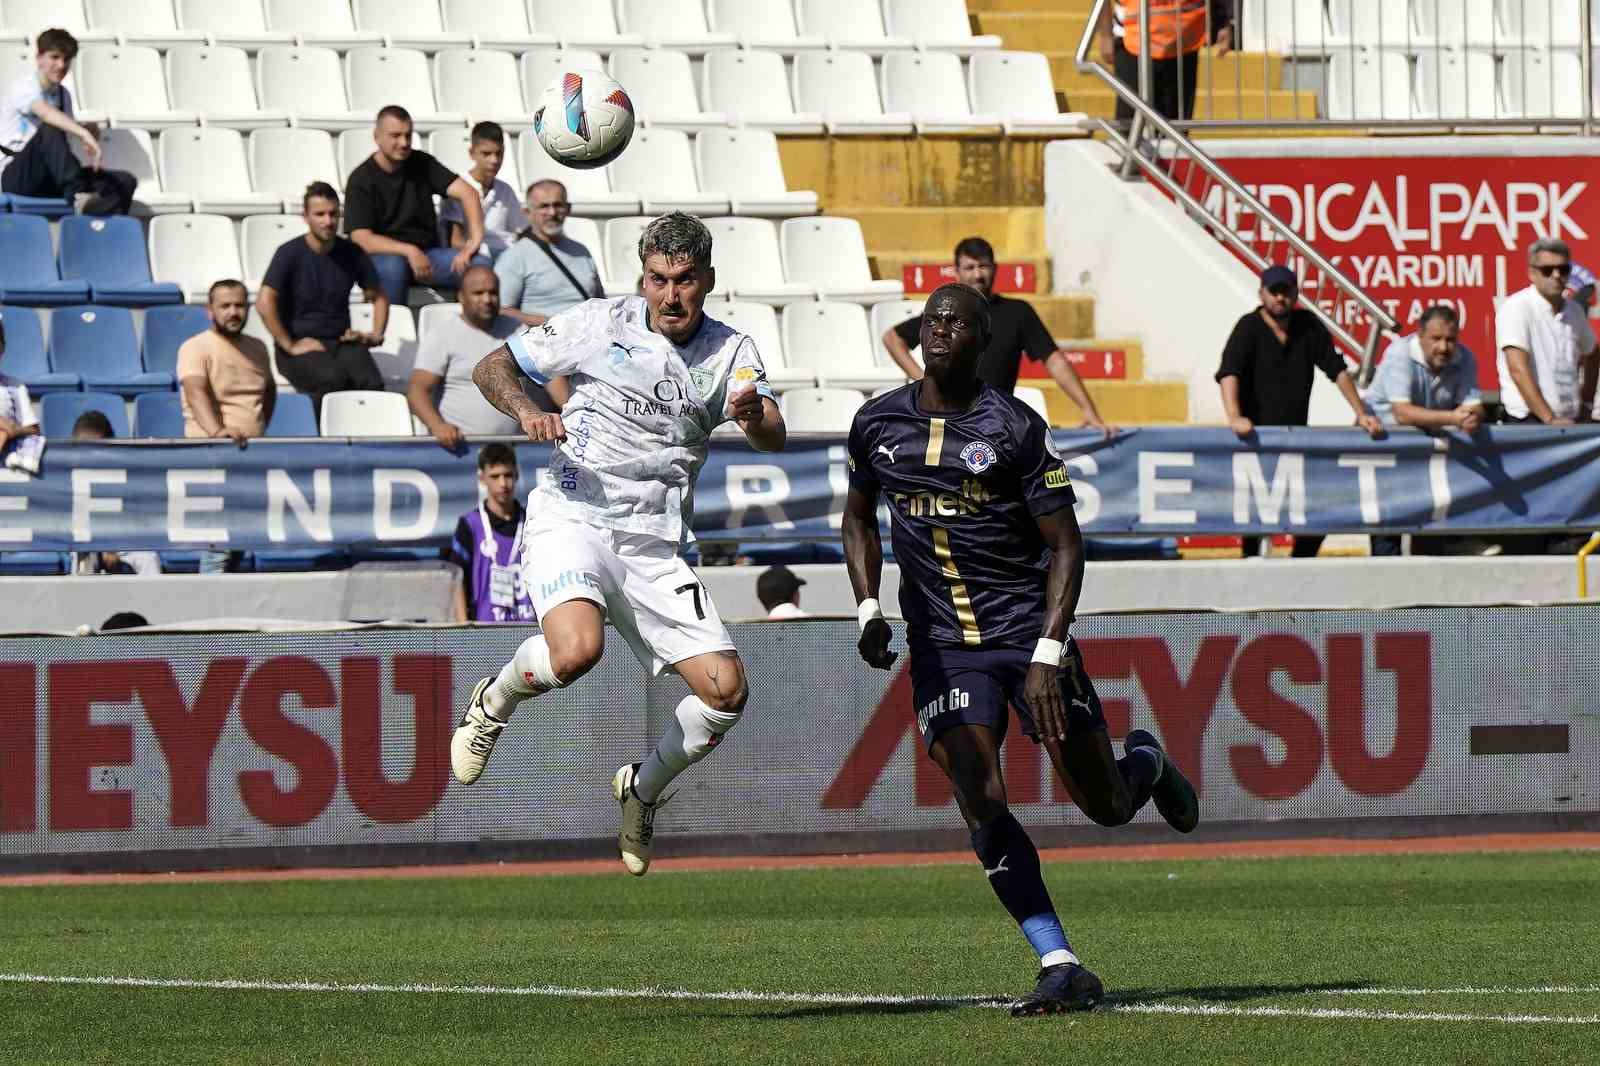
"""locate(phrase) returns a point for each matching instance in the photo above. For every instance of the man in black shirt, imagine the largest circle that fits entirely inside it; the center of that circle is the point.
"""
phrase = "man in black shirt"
(1017, 329)
(389, 211)
(1267, 370)
(305, 305)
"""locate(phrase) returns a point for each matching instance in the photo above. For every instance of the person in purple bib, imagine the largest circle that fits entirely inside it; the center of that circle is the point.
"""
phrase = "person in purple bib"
(488, 546)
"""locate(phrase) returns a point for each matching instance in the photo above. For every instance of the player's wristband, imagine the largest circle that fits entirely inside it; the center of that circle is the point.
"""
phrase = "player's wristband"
(1048, 651)
(866, 611)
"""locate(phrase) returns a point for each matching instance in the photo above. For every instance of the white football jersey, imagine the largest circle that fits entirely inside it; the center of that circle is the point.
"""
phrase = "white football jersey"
(640, 417)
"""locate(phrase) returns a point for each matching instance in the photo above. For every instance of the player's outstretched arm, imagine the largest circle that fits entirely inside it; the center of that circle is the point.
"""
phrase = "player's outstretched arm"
(1062, 589)
(863, 558)
(760, 419)
(500, 379)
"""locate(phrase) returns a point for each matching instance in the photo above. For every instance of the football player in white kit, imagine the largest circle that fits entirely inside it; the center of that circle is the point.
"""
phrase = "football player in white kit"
(650, 379)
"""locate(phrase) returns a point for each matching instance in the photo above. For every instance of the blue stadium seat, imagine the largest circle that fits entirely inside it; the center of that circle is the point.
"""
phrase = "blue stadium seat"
(44, 207)
(28, 266)
(165, 330)
(369, 552)
(109, 254)
(158, 414)
(100, 345)
(301, 560)
(34, 564)
(59, 410)
(292, 417)
(26, 358)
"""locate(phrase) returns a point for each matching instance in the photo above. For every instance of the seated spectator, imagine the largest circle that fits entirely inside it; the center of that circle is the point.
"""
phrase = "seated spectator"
(778, 589)
(19, 426)
(502, 215)
(305, 305)
(545, 271)
(391, 216)
(123, 620)
(449, 352)
(35, 123)
(94, 425)
(488, 546)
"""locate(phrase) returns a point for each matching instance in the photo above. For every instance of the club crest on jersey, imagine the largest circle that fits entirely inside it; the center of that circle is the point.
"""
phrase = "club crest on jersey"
(978, 456)
(700, 378)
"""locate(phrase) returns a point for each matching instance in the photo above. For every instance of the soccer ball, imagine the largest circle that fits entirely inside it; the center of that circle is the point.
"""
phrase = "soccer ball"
(584, 119)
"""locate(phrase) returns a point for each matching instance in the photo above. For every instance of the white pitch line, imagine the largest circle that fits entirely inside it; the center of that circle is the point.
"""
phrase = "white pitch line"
(1484, 990)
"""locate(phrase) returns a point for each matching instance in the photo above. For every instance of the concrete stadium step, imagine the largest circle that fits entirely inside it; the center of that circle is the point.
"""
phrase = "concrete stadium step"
(1035, 31)
(891, 263)
(1014, 231)
(1277, 104)
(1246, 71)
(916, 171)
(1076, 7)
(1123, 403)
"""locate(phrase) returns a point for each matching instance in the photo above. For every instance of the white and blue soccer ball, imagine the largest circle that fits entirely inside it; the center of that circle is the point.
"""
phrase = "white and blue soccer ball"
(584, 119)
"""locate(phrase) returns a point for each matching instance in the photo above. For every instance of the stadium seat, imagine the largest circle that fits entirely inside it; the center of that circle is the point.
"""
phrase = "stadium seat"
(589, 191)
(158, 414)
(127, 83)
(831, 255)
(1456, 84)
(848, 24)
(1034, 398)
(1536, 84)
(1547, 24)
(109, 253)
(541, 66)
(99, 344)
(820, 410)
(450, 147)
(929, 86)
(216, 84)
(194, 251)
(131, 150)
(31, 16)
(843, 87)
(237, 22)
(208, 163)
(761, 24)
(831, 340)
(744, 164)
(581, 25)
(165, 330)
(292, 416)
(365, 414)
(753, 89)
(284, 162)
(300, 560)
(481, 84)
(622, 255)
(260, 236)
(884, 316)
(354, 147)
(760, 323)
(749, 263)
(496, 24)
(935, 24)
(1287, 25)
(1367, 83)
(151, 23)
(320, 23)
(1461, 23)
(661, 85)
(28, 266)
(34, 564)
(1372, 24)
(379, 77)
(398, 352)
(1018, 87)
(659, 168)
(408, 24)
(586, 231)
(26, 357)
(431, 315)
(59, 410)
(308, 83)
(672, 24)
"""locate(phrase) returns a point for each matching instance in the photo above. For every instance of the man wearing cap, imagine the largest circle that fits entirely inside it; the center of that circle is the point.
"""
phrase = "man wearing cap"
(778, 589)
(1267, 371)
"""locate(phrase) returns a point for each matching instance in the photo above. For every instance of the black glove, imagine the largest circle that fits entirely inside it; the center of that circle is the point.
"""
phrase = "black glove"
(874, 644)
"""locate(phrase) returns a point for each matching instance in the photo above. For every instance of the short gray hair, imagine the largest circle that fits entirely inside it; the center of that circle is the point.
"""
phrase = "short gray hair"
(1550, 245)
(677, 235)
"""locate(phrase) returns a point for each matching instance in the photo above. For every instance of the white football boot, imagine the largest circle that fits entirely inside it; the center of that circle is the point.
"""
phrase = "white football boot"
(474, 738)
(638, 821)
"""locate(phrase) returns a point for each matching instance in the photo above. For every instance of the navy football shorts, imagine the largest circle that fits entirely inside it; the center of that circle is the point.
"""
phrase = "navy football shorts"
(957, 686)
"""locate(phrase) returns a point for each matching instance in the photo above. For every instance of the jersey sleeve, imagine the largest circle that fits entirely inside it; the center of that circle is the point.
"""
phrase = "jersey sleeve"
(1046, 484)
(858, 458)
(561, 345)
(745, 370)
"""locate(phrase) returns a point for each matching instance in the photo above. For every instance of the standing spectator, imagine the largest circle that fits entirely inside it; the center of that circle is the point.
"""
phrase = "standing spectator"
(487, 546)
(391, 212)
(502, 215)
(305, 305)
(1016, 329)
(1267, 369)
(35, 123)
(545, 271)
(1543, 338)
(778, 589)
(450, 350)
(1178, 30)
(94, 425)
(20, 444)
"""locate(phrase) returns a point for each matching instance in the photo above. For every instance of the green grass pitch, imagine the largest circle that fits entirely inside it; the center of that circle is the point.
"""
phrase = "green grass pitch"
(1485, 958)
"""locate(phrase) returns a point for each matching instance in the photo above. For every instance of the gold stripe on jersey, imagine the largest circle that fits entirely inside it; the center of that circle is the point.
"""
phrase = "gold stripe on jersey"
(935, 442)
(958, 589)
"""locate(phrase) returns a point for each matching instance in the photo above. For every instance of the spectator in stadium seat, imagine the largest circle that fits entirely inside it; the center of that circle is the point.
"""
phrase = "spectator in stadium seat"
(502, 214)
(450, 349)
(778, 589)
(1547, 358)
(94, 425)
(487, 546)
(389, 211)
(305, 304)
(35, 122)
(1016, 329)
(21, 448)
(1178, 30)
(545, 272)
(1267, 370)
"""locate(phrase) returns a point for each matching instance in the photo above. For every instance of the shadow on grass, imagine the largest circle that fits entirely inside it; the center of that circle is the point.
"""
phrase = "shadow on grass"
(1129, 997)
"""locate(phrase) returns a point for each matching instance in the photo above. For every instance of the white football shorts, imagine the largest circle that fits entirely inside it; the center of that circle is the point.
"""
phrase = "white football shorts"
(647, 592)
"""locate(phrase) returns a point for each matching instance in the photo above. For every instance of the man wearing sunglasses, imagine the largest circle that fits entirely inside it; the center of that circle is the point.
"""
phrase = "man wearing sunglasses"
(1546, 347)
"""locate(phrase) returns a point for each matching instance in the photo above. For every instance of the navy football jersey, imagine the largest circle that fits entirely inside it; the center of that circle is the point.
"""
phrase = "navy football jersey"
(964, 491)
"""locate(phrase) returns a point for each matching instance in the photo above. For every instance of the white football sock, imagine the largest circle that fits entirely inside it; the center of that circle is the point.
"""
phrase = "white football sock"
(1057, 957)
(693, 731)
(527, 674)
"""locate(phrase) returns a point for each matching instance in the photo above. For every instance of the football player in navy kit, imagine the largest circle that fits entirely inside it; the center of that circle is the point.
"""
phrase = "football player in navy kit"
(991, 564)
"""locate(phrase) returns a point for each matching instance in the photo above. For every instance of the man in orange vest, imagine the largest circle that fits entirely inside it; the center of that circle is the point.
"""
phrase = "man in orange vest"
(1178, 30)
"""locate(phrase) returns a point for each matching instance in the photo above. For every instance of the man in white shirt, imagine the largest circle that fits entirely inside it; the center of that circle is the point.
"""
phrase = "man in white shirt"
(778, 589)
(651, 379)
(502, 215)
(35, 122)
(545, 272)
(1546, 347)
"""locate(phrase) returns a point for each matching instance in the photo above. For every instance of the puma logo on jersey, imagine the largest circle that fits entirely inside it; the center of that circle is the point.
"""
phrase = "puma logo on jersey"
(999, 867)
(620, 352)
(888, 451)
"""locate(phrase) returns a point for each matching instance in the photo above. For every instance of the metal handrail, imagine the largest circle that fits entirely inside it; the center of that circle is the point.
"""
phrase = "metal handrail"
(1144, 115)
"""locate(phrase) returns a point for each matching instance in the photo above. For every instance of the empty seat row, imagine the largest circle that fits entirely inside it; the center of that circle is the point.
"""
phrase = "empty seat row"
(160, 414)
(97, 348)
(1311, 26)
(1456, 84)
(100, 259)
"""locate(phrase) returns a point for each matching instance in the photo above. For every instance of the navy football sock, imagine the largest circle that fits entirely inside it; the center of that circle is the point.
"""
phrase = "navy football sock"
(1011, 863)
(1141, 768)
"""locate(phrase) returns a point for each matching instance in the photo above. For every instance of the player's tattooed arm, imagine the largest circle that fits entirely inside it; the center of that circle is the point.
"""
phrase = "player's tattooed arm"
(863, 559)
(500, 380)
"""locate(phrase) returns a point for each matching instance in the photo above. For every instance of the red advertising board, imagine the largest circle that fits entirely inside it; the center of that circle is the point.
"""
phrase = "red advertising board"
(1099, 364)
(1008, 277)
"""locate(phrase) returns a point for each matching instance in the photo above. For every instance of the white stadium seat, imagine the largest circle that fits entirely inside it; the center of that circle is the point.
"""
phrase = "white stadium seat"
(215, 82)
(820, 410)
(480, 83)
(760, 322)
(930, 86)
(1372, 23)
(146, 22)
(1034, 398)
(885, 315)
(131, 150)
(354, 147)
(1367, 83)
(830, 339)
(586, 231)
(589, 191)
(1462, 23)
(744, 165)
(208, 164)
(431, 316)
(284, 162)
(843, 88)
(495, 24)
(753, 88)
(661, 84)
(127, 83)
(193, 251)
(622, 253)
(1455, 84)
(539, 67)
(308, 83)
(260, 236)
(582, 25)
(672, 24)
(450, 147)
(397, 355)
(30, 16)
(238, 22)
(761, 24)
(659, 168)
(1284, 25)
(365, 414)
(939, 24)
(1543, 23)
(1018, 87)
(379, 77)
(408, 24)
(1538, 84)
(749, 264)
(831, 255)
(848, 24)
(320, 23)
